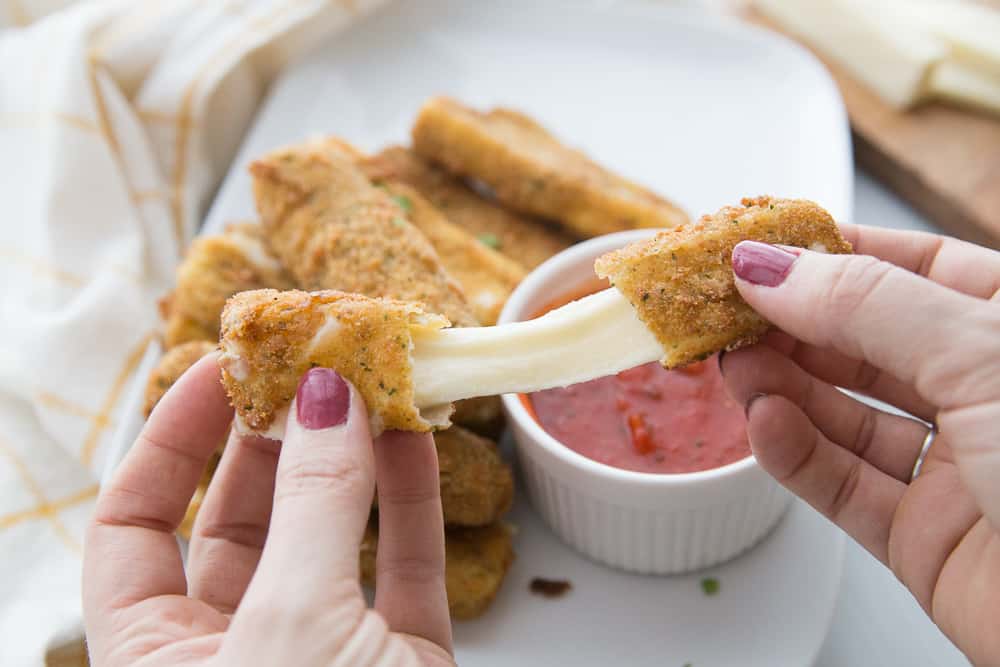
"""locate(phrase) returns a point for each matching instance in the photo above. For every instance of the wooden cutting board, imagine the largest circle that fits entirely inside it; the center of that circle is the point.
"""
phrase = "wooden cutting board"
(944, 161)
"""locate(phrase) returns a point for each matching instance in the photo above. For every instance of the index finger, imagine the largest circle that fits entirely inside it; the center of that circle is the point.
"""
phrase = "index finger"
(943, 259)
(131, 553)
(875, 311)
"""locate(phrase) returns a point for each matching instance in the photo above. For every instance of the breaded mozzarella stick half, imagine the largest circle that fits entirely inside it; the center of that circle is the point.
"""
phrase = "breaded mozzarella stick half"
(527, 240)
(334, 230)
(674, 301)
(214, 268)
(530, 170)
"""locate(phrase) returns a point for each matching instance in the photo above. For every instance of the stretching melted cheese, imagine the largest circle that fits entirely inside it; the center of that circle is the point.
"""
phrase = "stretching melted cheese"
(674, 300)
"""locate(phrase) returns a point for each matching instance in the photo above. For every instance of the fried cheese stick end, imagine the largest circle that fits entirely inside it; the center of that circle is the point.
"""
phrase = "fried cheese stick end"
(477, 486)
(169, 369)
(214, 268)
(529, 241)
(531, 171)
(270, 339)
(680, 282)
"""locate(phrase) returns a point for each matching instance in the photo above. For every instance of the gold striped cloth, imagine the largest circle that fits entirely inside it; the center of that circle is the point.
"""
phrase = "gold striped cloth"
(117, 120)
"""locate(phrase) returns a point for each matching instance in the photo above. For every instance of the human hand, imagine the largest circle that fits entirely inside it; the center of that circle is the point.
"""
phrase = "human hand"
(919, 330)
(272, 576)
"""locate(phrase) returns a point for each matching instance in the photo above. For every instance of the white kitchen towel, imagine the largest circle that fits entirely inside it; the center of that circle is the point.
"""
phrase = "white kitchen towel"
(117, 120)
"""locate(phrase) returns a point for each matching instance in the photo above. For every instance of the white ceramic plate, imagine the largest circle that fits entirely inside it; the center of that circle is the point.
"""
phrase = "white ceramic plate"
(701, 109)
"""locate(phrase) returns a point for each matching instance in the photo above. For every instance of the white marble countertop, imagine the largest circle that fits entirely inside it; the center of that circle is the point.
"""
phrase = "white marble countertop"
(877, 622)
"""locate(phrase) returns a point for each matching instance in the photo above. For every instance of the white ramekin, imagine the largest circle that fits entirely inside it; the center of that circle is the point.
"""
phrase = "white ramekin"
(642, 522)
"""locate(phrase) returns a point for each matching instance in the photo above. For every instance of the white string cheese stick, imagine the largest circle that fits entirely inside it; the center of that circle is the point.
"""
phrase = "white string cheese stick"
(591, 337)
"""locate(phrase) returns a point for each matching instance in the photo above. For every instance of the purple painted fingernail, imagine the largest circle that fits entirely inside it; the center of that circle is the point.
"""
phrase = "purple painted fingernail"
(322, 400)
(761, 263)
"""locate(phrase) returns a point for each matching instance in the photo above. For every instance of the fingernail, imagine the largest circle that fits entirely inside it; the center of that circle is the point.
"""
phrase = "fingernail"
(790, 248)
(761, 263)
(750, 401)
(322, 399)
(722, 353)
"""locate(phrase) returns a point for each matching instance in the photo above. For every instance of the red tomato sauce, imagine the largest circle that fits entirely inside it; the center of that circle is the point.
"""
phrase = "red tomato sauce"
(646, 419)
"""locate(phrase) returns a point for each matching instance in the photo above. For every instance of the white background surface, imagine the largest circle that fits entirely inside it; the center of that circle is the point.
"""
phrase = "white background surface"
(876, 622)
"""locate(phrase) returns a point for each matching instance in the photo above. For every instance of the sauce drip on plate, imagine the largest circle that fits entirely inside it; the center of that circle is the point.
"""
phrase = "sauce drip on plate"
(646, 419)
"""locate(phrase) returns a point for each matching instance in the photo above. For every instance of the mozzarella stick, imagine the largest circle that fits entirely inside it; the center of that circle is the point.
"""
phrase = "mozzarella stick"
(673, 300)
(337, 231)
(531, 171)
(476, 563)
(486, 277)
(170, 368)
(214, 268)
(270, 339)
(681, 282)
(528, 241)
(477, 486)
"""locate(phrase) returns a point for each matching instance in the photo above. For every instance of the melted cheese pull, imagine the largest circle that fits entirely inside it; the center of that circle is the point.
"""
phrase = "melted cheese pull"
(597, 335)
(674, 300)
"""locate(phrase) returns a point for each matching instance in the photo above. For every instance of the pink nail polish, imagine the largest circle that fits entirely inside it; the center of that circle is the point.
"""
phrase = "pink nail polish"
(322, 400)
(761, 263)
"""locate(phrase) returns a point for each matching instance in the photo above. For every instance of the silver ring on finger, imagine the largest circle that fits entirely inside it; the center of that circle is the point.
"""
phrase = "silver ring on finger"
(924, 448)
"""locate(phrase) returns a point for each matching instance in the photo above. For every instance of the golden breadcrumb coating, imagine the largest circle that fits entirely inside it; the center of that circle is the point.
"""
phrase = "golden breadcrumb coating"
(528, 241)
(486, 277)
(681, 280)
(476, 562)
(180, 329)
(531, 171)
(482, 415)
(170, 367)
(415, 272)
(270, 339)
(214, 268)
(335, 230)
(477, 487)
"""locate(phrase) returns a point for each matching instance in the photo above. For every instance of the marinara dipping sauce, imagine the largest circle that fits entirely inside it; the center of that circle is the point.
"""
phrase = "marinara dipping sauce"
(646, 419)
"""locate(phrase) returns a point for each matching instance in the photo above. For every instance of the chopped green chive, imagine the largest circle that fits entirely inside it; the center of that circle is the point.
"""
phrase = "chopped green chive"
(710, 586)
(490, 241)
(399, 222)
(404, 202)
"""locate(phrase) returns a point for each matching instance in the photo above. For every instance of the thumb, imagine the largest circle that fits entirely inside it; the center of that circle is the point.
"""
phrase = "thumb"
(922, 333)
(323, 495)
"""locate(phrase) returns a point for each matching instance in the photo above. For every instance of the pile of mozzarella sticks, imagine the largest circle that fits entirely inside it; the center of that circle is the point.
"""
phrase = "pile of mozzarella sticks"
(453, 223)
